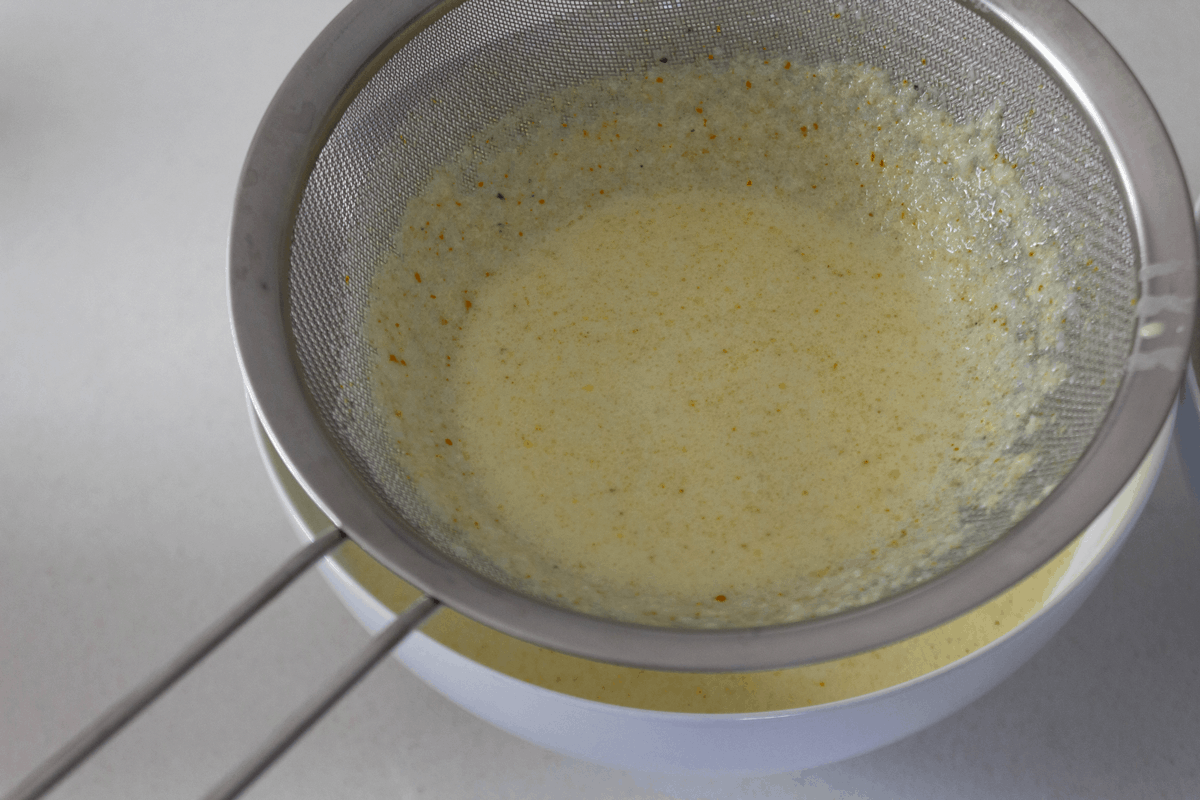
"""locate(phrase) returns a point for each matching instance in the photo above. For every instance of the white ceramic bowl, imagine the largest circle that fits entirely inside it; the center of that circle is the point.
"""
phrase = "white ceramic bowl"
(752, 743)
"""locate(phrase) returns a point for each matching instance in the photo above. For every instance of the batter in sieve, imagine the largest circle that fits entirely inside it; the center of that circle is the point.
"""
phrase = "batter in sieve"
(747, 375)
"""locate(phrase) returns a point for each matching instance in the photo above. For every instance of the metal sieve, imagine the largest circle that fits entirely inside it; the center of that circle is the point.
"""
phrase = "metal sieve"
(324, 187)
(326, 184)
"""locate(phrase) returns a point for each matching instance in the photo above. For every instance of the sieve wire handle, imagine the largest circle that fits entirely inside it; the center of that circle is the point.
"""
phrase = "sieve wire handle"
(86, 742)
(304, 717)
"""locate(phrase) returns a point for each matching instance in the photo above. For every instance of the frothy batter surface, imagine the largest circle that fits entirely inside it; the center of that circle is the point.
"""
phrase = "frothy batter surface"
(682, 394)
(749, 375)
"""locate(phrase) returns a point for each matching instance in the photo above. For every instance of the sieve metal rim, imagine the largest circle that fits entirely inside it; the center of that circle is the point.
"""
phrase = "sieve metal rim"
(360, 39)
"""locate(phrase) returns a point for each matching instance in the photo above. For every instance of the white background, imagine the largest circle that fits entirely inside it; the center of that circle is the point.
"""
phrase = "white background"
(134, 507)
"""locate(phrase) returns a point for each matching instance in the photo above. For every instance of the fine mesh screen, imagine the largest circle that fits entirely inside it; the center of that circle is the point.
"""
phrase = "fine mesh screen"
(480, 60)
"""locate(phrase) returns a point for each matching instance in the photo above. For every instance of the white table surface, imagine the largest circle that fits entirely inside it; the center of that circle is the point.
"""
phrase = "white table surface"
(135, 508)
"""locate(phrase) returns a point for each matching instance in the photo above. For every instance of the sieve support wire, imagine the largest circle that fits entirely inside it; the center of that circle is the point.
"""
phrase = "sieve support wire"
(304, 717)
(87, 741)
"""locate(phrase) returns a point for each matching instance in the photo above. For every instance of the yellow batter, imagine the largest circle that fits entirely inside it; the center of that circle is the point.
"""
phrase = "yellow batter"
(725, 346)
(709, 397)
